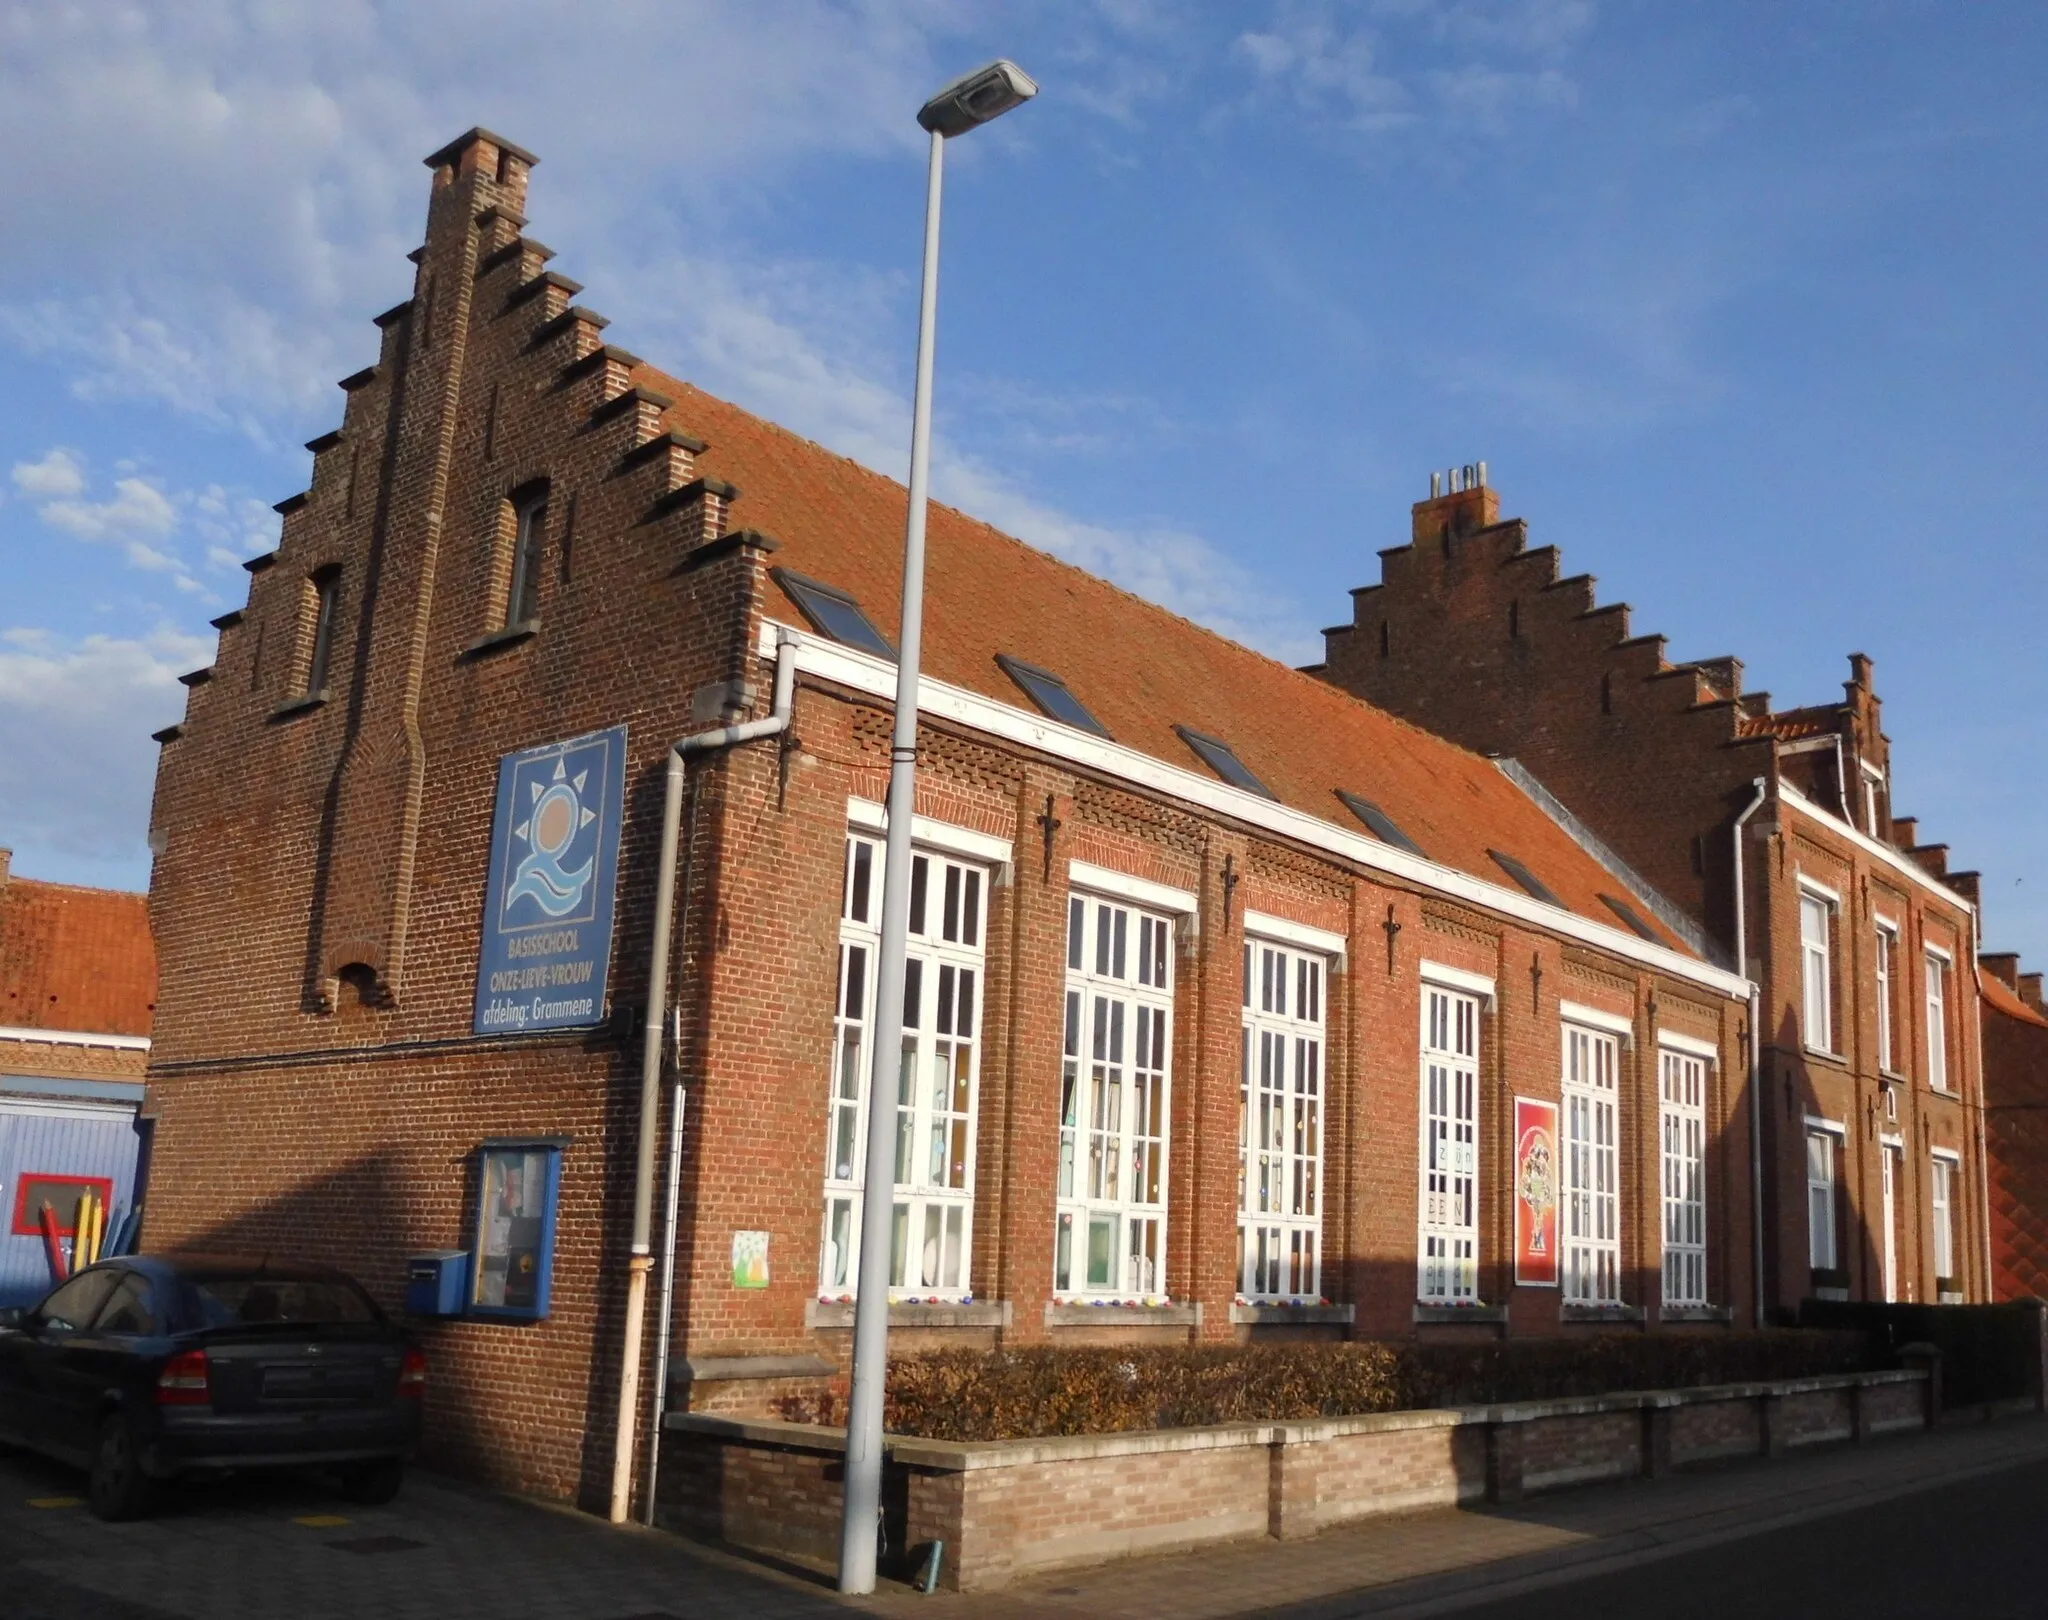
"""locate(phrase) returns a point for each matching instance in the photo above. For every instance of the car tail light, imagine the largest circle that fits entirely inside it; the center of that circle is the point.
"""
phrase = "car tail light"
(185, 1380)
(412, 1373)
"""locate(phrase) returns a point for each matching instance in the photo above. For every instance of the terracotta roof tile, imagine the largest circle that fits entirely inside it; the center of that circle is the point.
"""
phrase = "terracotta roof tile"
(1139, 668)
(75, 958)
(1789, 725)
(1999, 995)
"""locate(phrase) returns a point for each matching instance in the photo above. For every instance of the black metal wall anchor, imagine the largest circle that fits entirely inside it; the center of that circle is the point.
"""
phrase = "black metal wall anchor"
(1051, 824)
(1229, 885)
(1536, 981)
(1393, 929)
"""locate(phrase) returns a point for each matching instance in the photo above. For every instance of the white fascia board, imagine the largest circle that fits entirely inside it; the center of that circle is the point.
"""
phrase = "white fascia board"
(1446, 977)
(1282, 931)
(44, 1108)
(1577, 1012)
(1691, 1045)
(75, 1037)
(1870, 846)
(1128, 886)
(876, 677)
(939, 835)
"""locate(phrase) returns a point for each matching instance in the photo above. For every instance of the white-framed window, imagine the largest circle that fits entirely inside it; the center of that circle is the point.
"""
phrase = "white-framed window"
(1448, 1239)
(1817, 970)
(1116, 1100)
(1822, 1245)
(1943, 1183)
(1887, 972)
(937, 1086)
(1280, 1124)
(1682, 1140)
(1937, 1022)
(1892, 1151)
(1592, 1165)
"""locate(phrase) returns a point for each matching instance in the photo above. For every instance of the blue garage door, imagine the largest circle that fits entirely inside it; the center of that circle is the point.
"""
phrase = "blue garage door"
(88, 1141)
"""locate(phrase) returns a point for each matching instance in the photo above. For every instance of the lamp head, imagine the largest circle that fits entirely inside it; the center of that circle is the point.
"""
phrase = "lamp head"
(985, 94)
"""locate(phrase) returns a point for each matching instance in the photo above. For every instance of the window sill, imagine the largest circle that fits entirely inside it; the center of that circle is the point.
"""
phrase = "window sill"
(833, 1315)
(1433, 1313)
(1695, 1313)
(300, 705)
(1601, 1311)
(1065, 1313)
(510, 636)
(1278, 1312)
(1824, 1053)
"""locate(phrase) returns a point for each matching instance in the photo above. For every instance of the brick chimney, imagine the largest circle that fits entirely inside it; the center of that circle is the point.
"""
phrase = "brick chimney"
(1460, 501)
(2003, 966)
(6, 863)
(2030, 991)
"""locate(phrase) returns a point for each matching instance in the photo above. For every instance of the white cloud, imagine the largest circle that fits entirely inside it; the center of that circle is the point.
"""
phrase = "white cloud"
(139, 512)
(76, 766)
(58, 474)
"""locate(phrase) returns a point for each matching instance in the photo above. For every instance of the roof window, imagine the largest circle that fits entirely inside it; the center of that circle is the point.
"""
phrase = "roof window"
(833, 612)
(1221, 758)
(1528, 879)
(1381, 825)
(1634, 918)
(1051, 694)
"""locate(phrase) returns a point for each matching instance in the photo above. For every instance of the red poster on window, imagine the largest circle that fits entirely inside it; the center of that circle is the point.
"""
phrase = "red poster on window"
(1536, 1171)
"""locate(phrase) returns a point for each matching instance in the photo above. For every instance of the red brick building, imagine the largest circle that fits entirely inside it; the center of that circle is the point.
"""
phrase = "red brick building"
(77, 994)
(1858, 935)
(2016, 1125)
(1227, 984)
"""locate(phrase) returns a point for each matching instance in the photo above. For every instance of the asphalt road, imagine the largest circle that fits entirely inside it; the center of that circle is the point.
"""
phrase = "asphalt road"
(1977, 1548)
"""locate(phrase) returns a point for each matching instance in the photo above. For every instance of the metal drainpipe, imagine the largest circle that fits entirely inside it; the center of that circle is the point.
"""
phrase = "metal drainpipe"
(703, 742)
(1756, 1048)
(1983, 1144)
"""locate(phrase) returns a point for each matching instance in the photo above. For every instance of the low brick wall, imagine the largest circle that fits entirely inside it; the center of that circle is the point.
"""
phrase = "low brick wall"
(1007, 1508)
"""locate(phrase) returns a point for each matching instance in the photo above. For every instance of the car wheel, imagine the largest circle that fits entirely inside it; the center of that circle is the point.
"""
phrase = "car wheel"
(373, 1483)
(119, 1489)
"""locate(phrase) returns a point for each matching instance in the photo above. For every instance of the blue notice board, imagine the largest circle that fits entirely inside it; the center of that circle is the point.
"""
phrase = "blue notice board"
(547, 927)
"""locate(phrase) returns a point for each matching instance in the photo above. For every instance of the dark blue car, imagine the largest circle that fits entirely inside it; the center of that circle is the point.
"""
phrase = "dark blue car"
(143, 1369)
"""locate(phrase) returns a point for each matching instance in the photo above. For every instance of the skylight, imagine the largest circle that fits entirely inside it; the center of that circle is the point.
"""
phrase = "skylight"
(1634, 918)
(1381, 825)
(1051, 694)
(1522, 875)
(1221, 758)
(833, 612)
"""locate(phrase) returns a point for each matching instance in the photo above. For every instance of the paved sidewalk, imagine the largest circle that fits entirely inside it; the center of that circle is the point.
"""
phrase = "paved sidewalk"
(264, 1549)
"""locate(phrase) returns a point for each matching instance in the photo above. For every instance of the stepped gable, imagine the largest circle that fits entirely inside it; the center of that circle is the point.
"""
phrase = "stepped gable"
(1139, 668)
(74, 958)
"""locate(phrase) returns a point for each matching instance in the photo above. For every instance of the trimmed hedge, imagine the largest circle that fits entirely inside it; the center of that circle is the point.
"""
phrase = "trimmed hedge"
(1037, 1392)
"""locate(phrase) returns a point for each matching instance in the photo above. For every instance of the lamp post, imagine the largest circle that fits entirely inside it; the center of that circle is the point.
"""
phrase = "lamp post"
(964, 104)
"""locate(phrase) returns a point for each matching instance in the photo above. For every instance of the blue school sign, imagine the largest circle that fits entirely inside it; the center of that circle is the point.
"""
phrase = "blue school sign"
(547, 930)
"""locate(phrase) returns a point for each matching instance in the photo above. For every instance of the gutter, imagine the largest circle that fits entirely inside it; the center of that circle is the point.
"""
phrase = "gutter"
(659, 948)
(1756, 1046)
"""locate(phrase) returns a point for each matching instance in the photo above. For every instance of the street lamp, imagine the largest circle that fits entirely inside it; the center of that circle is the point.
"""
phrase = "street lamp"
(965, 104)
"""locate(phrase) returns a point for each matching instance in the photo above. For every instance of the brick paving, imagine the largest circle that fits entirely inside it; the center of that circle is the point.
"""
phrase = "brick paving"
(258, 1549)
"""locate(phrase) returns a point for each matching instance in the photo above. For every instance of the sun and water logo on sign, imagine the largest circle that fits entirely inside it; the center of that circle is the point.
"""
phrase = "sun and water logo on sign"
(547, 935)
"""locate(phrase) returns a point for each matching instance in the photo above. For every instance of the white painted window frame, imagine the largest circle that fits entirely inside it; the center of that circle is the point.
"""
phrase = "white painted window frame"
(1685, 1070)
(1885, 934)
(1939, 966)
(1946, 1167)
(1817, 967)
(1891, 1156)
(1590, 1220)
(1282, 1119)
(1836, 1134)
(1448, 1165)
(932, 1244)
(1116, 1111)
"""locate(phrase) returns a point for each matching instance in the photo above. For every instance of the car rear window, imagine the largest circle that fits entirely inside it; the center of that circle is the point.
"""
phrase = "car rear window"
(220, 1302)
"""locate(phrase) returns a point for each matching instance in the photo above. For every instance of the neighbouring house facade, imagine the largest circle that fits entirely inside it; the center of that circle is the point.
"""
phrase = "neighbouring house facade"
(2016, 1124)
(1237, 1008)
(77, 993)
(1860, 939)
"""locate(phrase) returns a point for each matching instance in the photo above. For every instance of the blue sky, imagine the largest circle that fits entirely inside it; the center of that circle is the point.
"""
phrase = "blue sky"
(1740, 302)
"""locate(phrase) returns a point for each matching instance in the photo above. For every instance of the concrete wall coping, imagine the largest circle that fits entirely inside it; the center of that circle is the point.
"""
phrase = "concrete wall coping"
(966, 1456)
